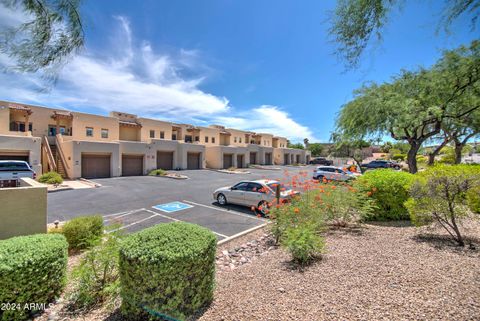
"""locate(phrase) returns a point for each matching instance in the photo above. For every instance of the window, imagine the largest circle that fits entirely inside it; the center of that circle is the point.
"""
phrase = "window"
(197, 138)
(206, 139)
(213, 140)
(162, 135)
(240, 186)
(19, 126)
(188, 138)
(104, 133)
(240, 140)
(152, 133)
(254, 187)
(234, 139)
(174, 136)
(89, 132)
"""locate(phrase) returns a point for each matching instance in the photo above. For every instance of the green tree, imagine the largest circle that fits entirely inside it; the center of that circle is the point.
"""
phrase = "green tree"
(315, 148)
(414, 105)
(386, 147)
(306, 142)
(355, 22)
(296, 145)
(353, 148)
(52, 34)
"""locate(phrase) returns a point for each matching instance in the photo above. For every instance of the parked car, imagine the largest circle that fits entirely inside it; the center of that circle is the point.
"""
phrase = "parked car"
(381, 164)
(12, 170)
(256, 194)
(332, 173)
(321, 161)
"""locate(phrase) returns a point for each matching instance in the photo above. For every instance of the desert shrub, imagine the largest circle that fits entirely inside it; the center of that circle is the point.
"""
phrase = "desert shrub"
(158, 172)
(167, 271)
(389, 190)
(83, 232)
(51, 178)
(96, 279)
(304, 243)
(399, 157)
(473, 199)
(439, 195)
(32, 270)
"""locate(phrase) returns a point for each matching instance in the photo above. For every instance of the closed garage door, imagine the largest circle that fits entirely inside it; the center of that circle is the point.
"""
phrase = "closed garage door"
(240, 163)
(165, 160)
(253, 158)
(96, 166)
(227, 160)
(14, 156)
(268, 158)
(193, 160)
(132, 165)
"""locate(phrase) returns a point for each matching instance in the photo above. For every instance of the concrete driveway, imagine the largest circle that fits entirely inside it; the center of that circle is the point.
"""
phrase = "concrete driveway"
(139, 202)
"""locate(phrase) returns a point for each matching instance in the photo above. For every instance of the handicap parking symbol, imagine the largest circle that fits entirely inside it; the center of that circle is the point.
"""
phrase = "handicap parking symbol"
(172, 207)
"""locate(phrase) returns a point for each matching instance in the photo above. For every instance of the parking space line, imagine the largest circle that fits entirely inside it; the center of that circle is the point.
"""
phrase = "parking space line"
(131, 224)
(228, 211)
(123, 215)
(177, 220)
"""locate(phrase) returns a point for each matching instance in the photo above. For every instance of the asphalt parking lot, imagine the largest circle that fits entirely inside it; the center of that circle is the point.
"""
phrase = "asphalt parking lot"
(143, 201)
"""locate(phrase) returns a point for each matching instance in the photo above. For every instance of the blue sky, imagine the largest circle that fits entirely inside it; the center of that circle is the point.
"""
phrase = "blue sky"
(258, 65)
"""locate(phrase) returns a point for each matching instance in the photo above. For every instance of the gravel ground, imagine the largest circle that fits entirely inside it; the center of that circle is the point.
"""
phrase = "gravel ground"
(371, 272)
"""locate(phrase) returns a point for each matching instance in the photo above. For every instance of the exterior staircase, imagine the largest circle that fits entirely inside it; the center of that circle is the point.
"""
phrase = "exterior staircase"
(58, 161)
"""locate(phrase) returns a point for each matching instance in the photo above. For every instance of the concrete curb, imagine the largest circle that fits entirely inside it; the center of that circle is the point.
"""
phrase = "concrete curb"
(233, 237)
(60, 189)
(89, 182)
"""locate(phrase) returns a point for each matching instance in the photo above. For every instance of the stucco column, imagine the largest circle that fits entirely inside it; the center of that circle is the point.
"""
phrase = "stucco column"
(27, 120)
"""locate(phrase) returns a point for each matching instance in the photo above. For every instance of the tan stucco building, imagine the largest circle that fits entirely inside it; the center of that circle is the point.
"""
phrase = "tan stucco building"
(121, 144)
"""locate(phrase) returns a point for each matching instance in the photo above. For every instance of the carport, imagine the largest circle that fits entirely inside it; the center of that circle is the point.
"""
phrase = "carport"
(165, 160)
(96, 165)
(132, 165)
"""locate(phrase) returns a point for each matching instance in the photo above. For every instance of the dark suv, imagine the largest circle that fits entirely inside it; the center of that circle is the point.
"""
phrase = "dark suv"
(321, 161)
(381, 164)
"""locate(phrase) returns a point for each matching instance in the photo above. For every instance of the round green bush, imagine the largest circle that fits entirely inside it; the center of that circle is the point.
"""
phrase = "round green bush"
(83, 232)
(167, 271)
(51, 178)
(389, 190)
(473, 199)
(399, 157)
(32, 270)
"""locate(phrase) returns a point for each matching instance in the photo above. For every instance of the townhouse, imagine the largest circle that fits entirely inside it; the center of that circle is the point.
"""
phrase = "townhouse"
(121, 144)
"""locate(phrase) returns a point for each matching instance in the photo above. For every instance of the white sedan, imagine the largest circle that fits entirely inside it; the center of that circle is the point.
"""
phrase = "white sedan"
(258, 194)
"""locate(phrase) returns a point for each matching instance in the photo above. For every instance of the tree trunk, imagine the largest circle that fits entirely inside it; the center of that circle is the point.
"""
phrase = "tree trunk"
(434, 153)
(412, 157)
(458, 152)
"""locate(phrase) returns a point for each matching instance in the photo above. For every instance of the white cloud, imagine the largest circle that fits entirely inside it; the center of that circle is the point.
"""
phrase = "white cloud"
(136, 79)
(268, 119)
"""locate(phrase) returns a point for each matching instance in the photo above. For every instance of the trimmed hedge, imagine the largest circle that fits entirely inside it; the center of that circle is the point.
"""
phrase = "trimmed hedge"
(32, 270)
(83, 232)
(389, 190)
(167, 271)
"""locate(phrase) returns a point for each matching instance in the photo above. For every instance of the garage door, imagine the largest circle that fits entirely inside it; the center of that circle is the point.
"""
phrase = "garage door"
(14, 156)
(96, 166)
(165, 160)
(240, 163)
(132, 165)
(268, 158)
(193, 160)
(253, 158)
(227, 160)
